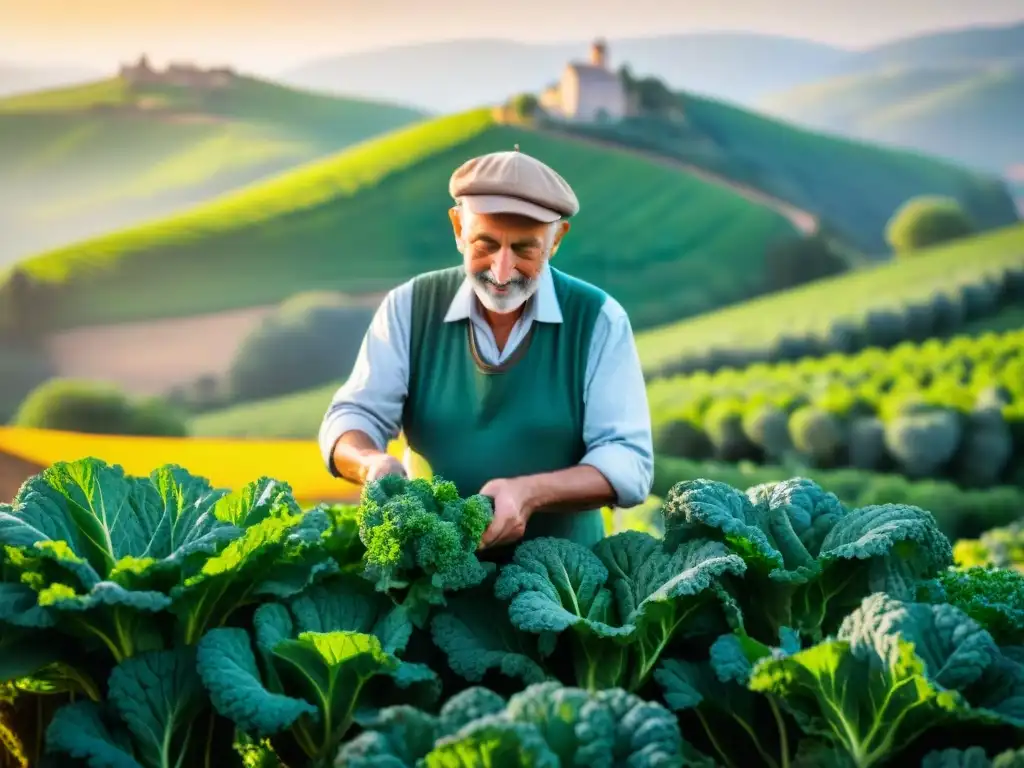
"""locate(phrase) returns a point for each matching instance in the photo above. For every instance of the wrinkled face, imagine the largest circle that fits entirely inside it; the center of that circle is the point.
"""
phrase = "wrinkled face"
(504, 254)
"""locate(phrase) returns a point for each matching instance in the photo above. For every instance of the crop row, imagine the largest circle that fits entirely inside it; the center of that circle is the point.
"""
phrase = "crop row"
(817, 325)
(768, 627)
(939, 409)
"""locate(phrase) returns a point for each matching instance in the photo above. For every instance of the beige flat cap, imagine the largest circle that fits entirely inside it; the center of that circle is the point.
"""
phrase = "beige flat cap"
(512, 182)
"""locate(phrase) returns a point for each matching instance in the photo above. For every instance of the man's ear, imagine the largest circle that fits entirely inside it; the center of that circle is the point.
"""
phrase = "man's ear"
(455, 217)
(563, 228)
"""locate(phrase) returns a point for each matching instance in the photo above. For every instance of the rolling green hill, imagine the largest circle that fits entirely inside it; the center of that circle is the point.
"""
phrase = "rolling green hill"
(968, 113)
(289, 417)
(79, 161)
(665, 243)
(852, 186)
(827, 310)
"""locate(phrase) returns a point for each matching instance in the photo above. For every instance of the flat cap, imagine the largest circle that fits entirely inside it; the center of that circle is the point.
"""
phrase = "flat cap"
(513, 182)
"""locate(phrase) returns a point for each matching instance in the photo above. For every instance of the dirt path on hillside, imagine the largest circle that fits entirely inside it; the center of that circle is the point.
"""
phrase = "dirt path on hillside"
(150, 357)
(804, 221)
(147, 358)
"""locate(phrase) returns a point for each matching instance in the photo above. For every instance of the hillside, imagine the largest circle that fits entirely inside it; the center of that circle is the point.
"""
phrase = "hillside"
(982, 44)
(79, 161)
(807, 319)
(665, 243)
(852, 186)
(968, 113)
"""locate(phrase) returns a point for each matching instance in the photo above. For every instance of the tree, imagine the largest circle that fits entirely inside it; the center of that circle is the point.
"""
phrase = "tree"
(925, 221)
(799, 260)
(524, 105)
(310, 340)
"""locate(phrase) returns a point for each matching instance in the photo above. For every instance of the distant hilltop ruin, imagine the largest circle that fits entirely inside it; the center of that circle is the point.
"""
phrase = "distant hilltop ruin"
(182, 74)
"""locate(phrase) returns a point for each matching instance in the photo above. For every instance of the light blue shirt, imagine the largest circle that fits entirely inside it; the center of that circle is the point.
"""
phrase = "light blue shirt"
(616, 420)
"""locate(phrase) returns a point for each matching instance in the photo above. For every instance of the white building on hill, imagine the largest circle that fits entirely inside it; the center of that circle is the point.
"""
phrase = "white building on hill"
(588, 92)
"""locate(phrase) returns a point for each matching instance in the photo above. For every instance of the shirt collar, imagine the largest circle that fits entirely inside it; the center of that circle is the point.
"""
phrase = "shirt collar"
(543, 305)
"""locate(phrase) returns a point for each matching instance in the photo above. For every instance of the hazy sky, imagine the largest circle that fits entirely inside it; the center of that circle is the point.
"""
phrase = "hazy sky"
(268, 35)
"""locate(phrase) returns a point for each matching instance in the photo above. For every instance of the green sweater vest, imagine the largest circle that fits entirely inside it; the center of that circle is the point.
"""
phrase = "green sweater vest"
(473, 422)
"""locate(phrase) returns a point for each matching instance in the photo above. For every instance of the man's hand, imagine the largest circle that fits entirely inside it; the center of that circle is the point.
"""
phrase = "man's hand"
(511, 512)
(383, 464)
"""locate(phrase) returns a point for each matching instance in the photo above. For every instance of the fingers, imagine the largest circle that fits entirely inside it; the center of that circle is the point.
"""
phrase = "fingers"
(511, 530)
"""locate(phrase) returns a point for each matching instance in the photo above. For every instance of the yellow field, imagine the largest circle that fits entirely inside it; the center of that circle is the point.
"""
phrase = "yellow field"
(226, 463)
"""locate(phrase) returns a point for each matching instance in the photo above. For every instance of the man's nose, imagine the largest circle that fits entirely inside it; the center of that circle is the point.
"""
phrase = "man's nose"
(503, 265)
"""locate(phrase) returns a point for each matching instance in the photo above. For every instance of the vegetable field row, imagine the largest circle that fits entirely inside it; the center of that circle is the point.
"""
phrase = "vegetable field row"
(933, 293)
(939, 409)
(768, 627)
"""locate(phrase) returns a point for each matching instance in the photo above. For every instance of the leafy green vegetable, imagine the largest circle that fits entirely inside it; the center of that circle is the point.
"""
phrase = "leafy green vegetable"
(741, 727)
(544, 725)
(154, 700)
(319, 651)
(994, 597)
(809, 560)
(619, 605)
(895, 671)
(421, 539)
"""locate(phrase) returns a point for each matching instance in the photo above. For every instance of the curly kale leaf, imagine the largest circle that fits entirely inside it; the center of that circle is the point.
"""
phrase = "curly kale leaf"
(319, 652)
(994, 597)
(895, 671)
(546, 725)
(100, 555)
(810, 560)
(149, 721)
(402, 736)
(741, 726)
(477, 637)
(421, 538)
(619, 605)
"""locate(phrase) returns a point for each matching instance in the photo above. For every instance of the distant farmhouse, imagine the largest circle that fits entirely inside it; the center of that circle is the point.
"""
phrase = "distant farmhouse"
(589, 92)
(185, 75)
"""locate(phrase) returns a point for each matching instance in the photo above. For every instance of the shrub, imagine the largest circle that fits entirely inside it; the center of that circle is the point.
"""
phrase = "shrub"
(310, 340)
(796, 261)
(768, 428)
(923, 440)
(724, 424)
(925, 221)
(817, 434)
(867, 443)
(679, 436)
(22, 368)
(93, 407)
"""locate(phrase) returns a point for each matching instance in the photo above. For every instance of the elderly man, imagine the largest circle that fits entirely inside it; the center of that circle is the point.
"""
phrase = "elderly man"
(511, 378)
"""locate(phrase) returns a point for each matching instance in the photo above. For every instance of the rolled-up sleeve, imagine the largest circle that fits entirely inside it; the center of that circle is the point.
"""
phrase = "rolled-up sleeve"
(617, 421)
(372, 398)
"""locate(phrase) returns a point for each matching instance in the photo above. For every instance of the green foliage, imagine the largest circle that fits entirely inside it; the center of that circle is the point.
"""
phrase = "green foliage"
(421, 539)
(85, 406)
(796, 261)
(310, 340)
(960, 512)
(23, 367)
(851, 185)
(945, 408)
(831, 315)
(923, 222)
(372, 216)
(524, 105)
(154, 621)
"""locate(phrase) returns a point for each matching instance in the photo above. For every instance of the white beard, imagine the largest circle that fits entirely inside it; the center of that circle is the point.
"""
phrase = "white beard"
(518, 292)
